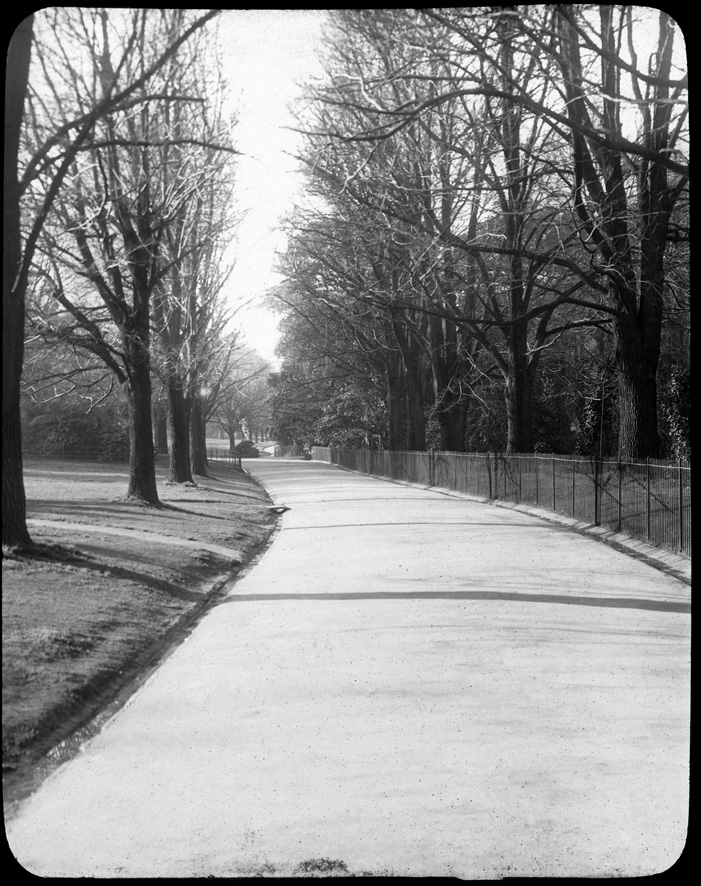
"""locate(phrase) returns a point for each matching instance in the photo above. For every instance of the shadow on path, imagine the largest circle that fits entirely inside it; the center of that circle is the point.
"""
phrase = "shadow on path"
(570, 600)
(438, 524)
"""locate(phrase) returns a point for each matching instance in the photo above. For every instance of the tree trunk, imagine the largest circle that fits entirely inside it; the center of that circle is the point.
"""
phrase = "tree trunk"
(396, 406)
(198, 439)
(14, 505)
(160, 421)
(416, 420)
(452, 422)
(142, 463)
(638, 435)
(447, 369)
(411, 353)
(179, 406)
(518, 393)
(519, 436)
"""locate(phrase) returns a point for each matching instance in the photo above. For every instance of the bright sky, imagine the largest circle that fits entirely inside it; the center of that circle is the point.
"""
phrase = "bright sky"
(267, 53)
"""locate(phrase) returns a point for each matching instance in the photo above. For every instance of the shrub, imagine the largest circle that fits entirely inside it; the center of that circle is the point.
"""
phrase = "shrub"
(246, 449)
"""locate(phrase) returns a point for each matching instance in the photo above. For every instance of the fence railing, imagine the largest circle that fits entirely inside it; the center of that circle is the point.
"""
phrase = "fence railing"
(232, 458)
(649, 500)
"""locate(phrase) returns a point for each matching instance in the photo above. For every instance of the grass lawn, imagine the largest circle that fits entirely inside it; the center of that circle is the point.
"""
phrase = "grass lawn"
(124, 584)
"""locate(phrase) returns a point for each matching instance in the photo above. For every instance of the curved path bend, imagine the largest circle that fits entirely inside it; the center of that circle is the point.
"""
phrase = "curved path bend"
(406, 683)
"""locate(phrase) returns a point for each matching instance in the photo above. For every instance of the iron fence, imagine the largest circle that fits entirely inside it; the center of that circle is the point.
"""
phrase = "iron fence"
(649, 500)
(227, 455)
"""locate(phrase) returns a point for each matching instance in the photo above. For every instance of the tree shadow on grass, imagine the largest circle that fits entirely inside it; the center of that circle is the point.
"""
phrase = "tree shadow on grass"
(50, 553)
(40, 508)
(209, 516)
(72, 556)
(143, 578)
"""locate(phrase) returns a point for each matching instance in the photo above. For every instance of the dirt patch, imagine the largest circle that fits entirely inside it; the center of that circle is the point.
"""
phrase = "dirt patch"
(310, 868)
(122, 585)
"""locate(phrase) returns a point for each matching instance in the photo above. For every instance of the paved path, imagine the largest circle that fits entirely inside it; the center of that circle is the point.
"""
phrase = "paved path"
(407, 683)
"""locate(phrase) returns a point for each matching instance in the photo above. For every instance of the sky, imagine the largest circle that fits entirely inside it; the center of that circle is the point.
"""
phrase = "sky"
(267, 53)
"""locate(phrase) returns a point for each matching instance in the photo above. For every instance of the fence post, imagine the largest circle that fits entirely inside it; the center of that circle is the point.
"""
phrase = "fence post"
(537, 472)
(552, 458)
(620, 495)
(647, 496)
(489, 476)
(574, 467)
(597, 519)
(518, 498)
(681, 506)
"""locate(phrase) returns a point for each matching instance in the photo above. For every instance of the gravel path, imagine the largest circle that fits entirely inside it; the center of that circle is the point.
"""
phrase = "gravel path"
(405, 683)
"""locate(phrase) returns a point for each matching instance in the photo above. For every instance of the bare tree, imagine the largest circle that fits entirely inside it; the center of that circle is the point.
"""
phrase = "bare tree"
(625, 213)
(118, 214)
(465, 191)
(242, 396)
(50, 155)
(14, 508)
(187, 307)
(344, 277)
(620, 180)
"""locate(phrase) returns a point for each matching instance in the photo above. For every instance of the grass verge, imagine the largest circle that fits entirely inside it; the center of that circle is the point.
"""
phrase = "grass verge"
(113, 585)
